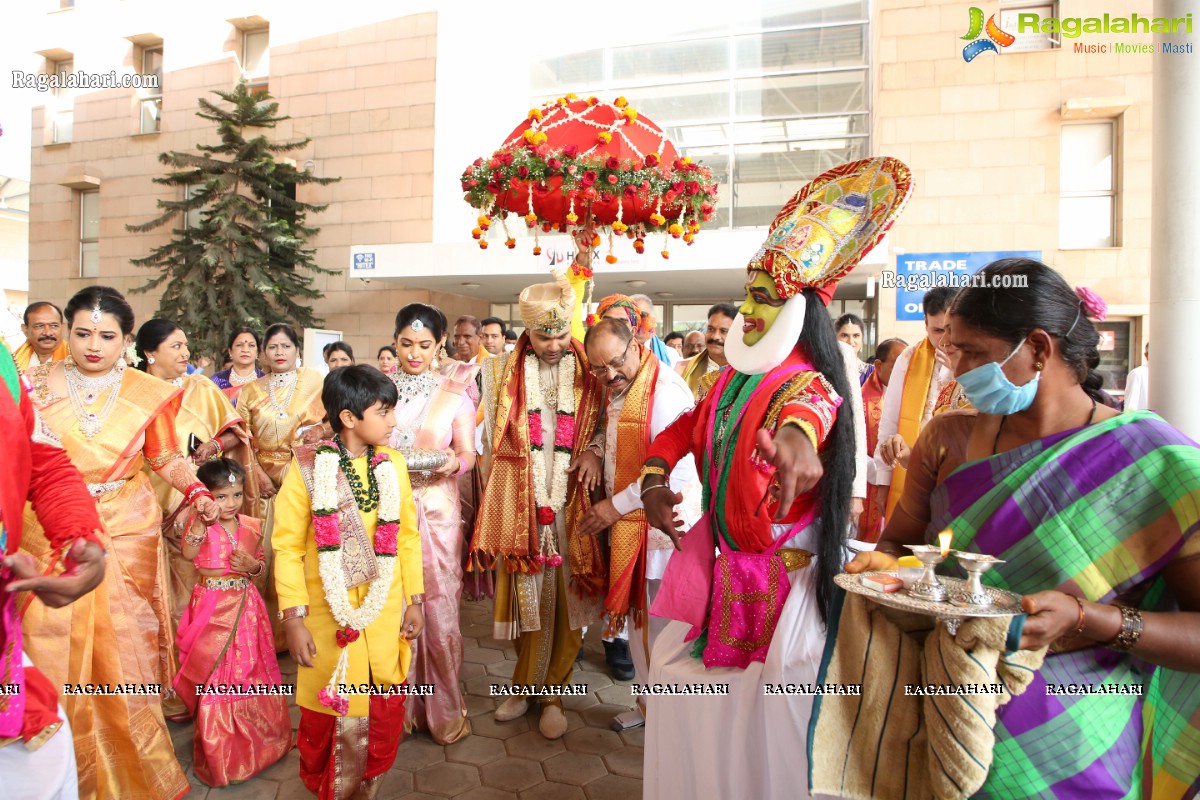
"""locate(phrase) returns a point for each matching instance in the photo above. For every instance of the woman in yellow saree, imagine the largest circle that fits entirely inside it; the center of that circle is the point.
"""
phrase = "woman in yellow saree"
(205, 418)
(111, 420)
(281, 409)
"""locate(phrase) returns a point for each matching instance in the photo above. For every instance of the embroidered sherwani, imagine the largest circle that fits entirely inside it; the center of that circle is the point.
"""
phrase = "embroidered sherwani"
(534, 607)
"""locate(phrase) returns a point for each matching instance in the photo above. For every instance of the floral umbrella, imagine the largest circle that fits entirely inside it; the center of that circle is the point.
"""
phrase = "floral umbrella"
(583, 167)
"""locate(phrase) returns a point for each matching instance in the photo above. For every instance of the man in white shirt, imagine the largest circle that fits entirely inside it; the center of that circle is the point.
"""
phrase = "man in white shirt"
(917, 379)
(637, 383)
(1137, 385)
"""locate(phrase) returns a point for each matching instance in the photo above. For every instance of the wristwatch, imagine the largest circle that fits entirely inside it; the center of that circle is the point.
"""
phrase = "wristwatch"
(416, 600)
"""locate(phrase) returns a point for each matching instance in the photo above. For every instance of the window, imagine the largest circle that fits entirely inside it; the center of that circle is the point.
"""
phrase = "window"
(1030, 40)
(256, 58)
(89, 234)
(191, 219)
(152, 64)
(63, 122)
(1088, 186)
(766, 99)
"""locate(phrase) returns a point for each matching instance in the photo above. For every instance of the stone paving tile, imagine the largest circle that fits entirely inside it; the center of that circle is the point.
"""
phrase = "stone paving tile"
(576, 768)
(560, 791)
(475, 750)
(596, 741)
(534, 746)
(627, 762)
(447, 780)
(512, 774)
(613, 787)
(499, 760)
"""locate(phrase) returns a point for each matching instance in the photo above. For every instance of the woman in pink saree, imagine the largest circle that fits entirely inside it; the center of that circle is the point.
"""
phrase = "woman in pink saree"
(435, 429)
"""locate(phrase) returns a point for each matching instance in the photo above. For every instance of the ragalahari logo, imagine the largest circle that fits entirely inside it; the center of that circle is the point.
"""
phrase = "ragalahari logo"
(994, 35)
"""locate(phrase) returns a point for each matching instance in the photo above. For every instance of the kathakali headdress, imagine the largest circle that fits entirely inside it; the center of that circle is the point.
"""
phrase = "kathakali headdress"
(547, 307)
(824, 231)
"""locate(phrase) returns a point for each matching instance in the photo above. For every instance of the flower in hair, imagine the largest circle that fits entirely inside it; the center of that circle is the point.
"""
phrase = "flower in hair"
(1093, 305)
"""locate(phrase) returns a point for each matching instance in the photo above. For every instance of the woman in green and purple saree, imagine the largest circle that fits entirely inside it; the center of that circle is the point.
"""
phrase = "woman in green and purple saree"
(1094, 513)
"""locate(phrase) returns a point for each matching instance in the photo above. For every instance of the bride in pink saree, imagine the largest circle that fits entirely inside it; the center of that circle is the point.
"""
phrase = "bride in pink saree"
(435, 429)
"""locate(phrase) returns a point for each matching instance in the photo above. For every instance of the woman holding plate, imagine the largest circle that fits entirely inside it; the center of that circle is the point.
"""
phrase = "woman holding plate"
(1095, 516)
(435, 429)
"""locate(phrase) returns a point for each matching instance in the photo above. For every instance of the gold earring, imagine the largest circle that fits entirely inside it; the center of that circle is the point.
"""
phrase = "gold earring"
(1038, 366)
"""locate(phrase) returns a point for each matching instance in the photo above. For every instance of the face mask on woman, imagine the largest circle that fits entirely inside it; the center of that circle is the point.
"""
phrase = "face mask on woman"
(990, 391)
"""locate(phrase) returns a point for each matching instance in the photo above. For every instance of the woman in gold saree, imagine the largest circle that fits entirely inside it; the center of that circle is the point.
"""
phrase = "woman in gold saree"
(435, 429)
(281, 409)
(206, 418)
(111, 420)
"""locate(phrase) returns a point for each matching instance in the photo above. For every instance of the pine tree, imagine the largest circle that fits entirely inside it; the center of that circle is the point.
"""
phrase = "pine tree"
(245, 263)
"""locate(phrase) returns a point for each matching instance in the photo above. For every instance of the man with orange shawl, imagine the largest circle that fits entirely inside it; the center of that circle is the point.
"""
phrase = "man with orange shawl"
(644, 397)
(42, 325)
(540, 411)
(921, 372)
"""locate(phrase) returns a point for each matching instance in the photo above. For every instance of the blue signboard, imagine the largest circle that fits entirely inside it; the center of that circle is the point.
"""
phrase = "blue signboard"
(917, 273)
(364, 261)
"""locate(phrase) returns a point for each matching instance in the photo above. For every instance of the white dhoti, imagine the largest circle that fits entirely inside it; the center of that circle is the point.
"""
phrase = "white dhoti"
(48, 773)
(743, 744)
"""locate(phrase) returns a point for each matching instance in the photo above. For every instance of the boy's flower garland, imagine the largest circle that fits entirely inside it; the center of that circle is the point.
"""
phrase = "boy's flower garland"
(548, 501)
(587, 173)
(329, 557)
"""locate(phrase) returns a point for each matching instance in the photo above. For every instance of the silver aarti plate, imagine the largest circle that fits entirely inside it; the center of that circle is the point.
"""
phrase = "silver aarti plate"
(1003, 603)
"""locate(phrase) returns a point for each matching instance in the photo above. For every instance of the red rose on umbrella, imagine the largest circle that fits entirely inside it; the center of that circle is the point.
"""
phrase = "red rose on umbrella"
(613, 179)
(630, 192)
(613, 163)
(570, 150)
(693, 187)
(523, 171)
(589, 177)
(652, 160)
(554, 164)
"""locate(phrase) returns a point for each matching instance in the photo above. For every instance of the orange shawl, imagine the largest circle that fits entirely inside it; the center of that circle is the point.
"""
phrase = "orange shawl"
(912, 406)
(506, 524)
(627, 538)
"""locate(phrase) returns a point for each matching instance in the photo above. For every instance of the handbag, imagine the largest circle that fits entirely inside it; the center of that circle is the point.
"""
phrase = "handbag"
(749, 590)
(686, 589)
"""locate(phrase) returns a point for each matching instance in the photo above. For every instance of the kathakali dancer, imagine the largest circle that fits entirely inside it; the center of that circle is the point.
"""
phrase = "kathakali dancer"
(541, 409)
(776, 457)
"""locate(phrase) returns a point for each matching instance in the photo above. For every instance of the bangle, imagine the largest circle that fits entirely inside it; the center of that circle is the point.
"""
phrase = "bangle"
(1131, 630)
(1058, 643)
(195, 540)
(220, 447)
(805, 426)
(258, 571)
(416, 600)
(652, 487)
(649, 470)
(295, 612)
(195, 491)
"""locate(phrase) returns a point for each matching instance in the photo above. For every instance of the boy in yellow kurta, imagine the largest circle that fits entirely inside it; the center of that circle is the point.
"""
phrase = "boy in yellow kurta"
(348, 576)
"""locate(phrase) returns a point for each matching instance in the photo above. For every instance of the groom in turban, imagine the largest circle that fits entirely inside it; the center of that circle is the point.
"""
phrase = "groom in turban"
(541, 407)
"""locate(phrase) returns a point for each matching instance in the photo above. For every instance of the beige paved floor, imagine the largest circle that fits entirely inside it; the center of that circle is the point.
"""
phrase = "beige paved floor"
(499, 760)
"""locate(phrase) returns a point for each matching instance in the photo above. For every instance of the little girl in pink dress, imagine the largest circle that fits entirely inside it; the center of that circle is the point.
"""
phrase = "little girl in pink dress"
(228, 676)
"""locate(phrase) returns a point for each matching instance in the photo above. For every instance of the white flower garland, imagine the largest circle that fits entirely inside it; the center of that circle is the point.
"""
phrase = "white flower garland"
(556, 495)
(330, 554)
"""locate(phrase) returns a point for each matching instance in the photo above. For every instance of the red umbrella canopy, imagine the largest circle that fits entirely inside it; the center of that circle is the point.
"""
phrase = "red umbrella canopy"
(580, 164)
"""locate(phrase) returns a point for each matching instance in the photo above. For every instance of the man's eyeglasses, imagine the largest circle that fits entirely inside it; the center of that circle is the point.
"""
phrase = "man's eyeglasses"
(615, 365)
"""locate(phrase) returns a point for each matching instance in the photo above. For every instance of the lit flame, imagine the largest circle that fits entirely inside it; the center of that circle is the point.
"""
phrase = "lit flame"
(944, 538)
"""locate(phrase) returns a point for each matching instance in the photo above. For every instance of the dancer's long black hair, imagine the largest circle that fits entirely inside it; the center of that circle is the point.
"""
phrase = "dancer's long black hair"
(820, 341)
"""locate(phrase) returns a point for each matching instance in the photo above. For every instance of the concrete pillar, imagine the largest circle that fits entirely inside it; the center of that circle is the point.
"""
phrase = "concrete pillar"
(1175, 226)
